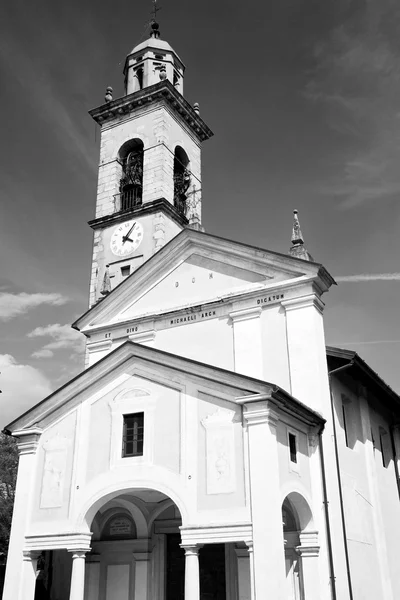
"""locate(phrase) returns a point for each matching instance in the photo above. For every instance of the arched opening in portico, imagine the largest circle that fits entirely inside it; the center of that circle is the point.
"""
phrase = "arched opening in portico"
(301, 549)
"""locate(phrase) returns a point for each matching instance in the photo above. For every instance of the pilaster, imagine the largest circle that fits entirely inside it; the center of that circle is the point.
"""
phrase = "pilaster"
(247, 341)
(269, 574)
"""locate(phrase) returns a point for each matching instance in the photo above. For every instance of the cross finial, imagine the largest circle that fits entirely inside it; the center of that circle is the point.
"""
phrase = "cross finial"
(155, 10)
(155, 33)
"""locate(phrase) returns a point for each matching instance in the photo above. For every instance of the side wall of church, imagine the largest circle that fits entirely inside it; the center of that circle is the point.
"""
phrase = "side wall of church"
(368, 478)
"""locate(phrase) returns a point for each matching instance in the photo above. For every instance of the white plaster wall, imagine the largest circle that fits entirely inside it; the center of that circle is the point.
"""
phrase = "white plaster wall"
(275, 360)
(193, 341)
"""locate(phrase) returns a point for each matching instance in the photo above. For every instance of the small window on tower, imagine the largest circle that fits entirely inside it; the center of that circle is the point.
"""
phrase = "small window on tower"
(133, 435)
(139, 75)
(292, 447)
(125, 271)
(176, 78)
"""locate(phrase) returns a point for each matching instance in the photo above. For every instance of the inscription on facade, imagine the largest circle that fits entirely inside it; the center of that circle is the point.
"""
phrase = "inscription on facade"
(268, 299)
(199, 316)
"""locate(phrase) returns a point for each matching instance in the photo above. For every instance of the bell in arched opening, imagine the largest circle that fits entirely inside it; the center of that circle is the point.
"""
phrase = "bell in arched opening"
(182, 179)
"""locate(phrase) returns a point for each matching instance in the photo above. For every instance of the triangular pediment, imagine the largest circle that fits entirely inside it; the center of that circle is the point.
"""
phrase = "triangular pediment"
(196, 269)
(150, 367)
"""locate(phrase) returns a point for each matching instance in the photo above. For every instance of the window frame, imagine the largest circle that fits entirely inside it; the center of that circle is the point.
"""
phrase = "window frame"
(293, 466)
(139, 440)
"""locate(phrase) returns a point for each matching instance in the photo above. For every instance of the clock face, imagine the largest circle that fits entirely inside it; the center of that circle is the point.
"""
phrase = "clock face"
(126, 238)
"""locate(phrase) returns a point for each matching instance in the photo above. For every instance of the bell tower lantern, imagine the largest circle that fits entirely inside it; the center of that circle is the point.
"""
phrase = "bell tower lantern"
(152, 61)
(149, 182)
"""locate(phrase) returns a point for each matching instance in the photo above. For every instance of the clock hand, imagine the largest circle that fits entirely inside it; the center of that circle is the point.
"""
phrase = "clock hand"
(125, 237)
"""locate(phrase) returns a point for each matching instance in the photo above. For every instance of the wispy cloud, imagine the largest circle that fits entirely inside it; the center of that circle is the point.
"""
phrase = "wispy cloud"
(357, 78)
(22, 386)
(13, 305)
(63, 338)
(369, 277)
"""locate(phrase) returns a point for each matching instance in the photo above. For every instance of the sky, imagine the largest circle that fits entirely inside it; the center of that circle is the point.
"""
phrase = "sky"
(303, 98)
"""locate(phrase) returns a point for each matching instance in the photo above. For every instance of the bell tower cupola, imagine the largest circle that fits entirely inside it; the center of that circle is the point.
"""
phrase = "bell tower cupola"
(153, 61)
(149, 182)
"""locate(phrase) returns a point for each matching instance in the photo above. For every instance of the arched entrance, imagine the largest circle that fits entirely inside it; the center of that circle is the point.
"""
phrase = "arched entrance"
(136, 549)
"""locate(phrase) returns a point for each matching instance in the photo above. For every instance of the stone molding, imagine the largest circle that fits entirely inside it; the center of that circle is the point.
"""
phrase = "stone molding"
(79, 542)
(309, 546)
(240, 532)
(27, 440)
(261, 412)
(246, 314)
(143, 337)
(101, 346)
(304, 302)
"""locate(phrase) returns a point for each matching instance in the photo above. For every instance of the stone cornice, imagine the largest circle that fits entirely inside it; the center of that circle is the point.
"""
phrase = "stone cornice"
(246, 314)
(262, 411)
(161, 204)
(163, 91)
(74, 542)
(27, 440)
(239, 532)
(304, 302)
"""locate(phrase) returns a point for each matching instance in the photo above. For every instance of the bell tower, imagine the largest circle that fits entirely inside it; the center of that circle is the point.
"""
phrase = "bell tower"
(149, 183)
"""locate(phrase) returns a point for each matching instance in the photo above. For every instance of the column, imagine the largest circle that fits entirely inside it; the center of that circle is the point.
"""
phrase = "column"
(247, 341)
(192, 573)
(18, 579)
(266, 506)
(309, 551)
(77, 591)
(243, 567)
(28, 575)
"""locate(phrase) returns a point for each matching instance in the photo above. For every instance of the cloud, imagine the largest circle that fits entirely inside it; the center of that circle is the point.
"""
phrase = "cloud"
(13, 305)
(63, 337)
(357, 78)
(22, 387)
(368, 277)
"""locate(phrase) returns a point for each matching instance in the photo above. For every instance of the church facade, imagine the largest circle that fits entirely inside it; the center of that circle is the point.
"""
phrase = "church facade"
(213, 447)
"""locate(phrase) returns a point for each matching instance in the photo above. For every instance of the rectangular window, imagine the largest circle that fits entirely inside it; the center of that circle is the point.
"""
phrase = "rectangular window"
(132, 444)
(125, 271)
(292, 447)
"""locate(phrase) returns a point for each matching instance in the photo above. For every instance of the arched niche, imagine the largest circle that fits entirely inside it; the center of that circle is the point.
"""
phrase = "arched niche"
(182, 178)
(130, 158)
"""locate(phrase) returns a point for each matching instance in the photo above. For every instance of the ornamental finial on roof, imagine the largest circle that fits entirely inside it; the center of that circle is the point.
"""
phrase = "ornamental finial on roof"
(298, 248)
(155, 33)
(297, 236)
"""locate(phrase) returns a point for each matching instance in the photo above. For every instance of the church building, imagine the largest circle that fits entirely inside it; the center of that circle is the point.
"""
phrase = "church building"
(213, 448)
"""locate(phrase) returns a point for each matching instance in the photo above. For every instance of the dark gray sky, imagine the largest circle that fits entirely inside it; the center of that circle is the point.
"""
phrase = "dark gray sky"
(303, 97)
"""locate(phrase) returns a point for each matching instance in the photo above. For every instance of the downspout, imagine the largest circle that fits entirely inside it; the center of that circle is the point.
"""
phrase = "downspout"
(346, 550)
(327, 521)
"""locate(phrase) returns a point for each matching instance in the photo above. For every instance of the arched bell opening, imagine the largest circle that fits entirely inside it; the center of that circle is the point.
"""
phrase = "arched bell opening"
(182, 179)
(130, 157)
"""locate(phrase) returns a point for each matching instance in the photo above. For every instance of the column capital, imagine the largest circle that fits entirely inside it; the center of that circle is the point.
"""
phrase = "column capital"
(79, 553)
(304, 302)
(263, 411)
(27, 440)
(249, 545)
(192, 550)
(30, 555)
(308, 544)
(245, 314)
